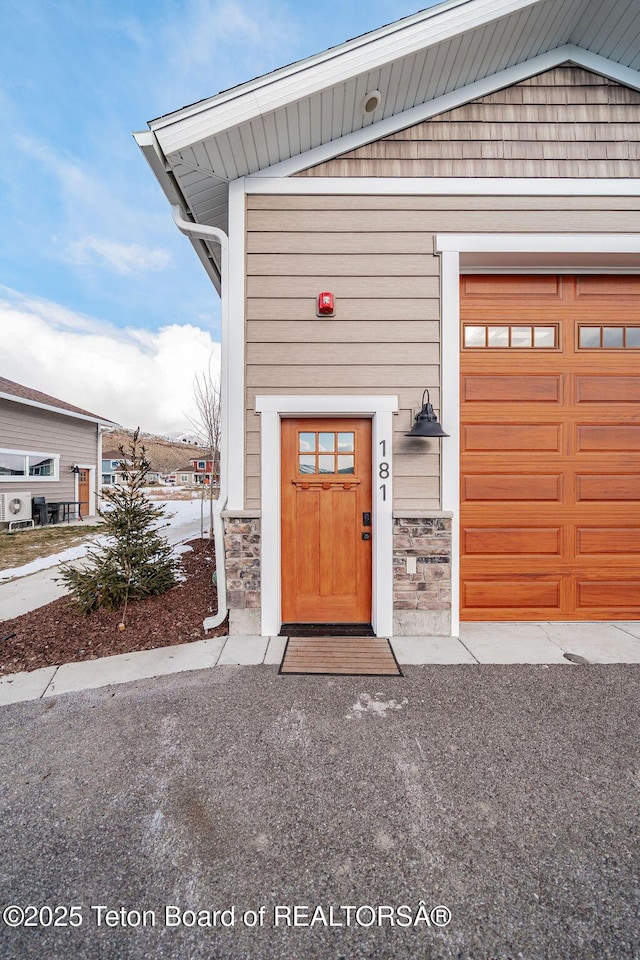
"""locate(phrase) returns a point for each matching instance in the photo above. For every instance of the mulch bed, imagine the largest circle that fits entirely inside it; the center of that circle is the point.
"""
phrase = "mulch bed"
(58, 633)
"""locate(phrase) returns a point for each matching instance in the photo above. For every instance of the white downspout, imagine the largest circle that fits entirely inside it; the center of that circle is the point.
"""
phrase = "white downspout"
(219, 236)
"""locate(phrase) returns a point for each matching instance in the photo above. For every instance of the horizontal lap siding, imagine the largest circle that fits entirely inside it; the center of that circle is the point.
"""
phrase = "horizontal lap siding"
(566, 122)
(27, 428)
(384, 338)
(376, 255)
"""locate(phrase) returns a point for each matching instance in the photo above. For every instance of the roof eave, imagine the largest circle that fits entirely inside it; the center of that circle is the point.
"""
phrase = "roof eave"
(184, 127)
(153, 154)
(52, 409)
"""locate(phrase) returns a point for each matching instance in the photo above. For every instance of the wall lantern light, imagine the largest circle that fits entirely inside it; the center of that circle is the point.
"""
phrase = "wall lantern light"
(426, 423)
(75, 468)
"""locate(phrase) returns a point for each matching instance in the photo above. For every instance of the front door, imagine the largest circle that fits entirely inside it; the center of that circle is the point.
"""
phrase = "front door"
(326, 521)
(83, 491)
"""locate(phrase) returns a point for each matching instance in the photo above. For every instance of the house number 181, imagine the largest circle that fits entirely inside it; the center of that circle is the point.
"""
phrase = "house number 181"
(383, 469)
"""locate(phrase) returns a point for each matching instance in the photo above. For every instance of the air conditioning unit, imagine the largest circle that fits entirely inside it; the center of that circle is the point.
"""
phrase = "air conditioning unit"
(15, 506)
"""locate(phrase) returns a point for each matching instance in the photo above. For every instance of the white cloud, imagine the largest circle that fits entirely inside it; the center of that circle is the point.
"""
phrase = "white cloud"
(135, 377)
(122, 257)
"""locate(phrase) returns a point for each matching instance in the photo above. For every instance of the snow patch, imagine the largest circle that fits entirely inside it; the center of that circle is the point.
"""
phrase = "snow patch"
(366, 704)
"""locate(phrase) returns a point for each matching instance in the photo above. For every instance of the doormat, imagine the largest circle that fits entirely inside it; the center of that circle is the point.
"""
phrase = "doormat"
(344, 656)
(326, 630)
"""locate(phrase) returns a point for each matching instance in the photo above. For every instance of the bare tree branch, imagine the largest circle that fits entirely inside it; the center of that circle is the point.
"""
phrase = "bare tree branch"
(208, 427)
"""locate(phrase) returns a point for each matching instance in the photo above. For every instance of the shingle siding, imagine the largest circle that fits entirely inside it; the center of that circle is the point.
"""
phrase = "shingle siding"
(566, 122)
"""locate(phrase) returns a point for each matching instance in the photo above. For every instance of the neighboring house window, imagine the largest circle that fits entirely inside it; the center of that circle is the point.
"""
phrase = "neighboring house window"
(201, 465)
(183, 478)
(115, 464)
(15, 464)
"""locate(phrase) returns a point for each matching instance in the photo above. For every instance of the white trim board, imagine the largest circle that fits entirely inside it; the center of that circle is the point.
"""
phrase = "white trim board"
(537, 243)
(235, 289)
(569, 53)
(451, 246)
(272, 410)
(446, 186)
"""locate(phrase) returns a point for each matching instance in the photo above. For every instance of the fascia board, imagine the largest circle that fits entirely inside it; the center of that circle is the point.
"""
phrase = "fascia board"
(170, 186)
(49, 408)
(177, 131)
(449, 101)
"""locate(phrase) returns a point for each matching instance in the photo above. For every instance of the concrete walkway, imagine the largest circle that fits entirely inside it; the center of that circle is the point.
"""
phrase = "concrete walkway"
(479, 643)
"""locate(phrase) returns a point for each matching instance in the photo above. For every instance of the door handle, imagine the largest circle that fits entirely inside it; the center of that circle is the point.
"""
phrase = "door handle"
(366, 536)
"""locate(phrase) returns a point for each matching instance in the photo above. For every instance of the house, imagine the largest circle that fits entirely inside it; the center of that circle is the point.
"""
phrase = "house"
(450, 203)
(184, 476)
(112, 461)
(49, 448)
(203, 470)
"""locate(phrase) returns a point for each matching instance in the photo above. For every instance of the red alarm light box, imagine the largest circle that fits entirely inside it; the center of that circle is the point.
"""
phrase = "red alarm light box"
(326, 305)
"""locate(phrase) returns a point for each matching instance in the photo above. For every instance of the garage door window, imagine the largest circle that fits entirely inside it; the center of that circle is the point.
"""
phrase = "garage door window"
(510, 336)
(608, 337)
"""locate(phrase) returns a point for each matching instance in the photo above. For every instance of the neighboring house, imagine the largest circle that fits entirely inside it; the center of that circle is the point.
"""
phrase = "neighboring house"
(464, 184)
(112, 472)
(203, 470)
(184, 476)
(48, 448)
(111, 467)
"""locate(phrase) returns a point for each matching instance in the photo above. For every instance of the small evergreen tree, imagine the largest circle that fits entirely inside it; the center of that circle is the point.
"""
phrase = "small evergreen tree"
(137, 561)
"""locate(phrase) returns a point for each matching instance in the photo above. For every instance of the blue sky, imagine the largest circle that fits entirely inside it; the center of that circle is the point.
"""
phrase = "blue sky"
(107, 303)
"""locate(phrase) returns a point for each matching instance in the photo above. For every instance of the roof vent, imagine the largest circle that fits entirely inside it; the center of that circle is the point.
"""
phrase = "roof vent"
(371, 101)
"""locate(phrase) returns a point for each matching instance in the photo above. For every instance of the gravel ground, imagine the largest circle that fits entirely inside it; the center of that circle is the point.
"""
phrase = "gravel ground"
(507, 794)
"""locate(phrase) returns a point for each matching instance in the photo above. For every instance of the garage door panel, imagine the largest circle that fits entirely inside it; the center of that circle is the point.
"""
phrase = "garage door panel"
(612, 594)
(509, 286)
(610, 541)
(496, 541)
(612, 286)
(607, 436)
(512, 593)
(512, 437)
(608, 389)
(525, 389)
(550, 482)
(504, 486)
(607, 487)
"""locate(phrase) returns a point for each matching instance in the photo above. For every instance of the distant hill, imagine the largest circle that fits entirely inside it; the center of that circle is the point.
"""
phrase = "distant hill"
(165, 455)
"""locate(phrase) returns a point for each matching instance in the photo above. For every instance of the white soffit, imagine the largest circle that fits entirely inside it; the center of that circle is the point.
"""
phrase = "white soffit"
(422, 64)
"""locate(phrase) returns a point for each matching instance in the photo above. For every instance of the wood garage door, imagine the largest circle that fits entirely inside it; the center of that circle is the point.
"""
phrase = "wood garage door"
(550, 448)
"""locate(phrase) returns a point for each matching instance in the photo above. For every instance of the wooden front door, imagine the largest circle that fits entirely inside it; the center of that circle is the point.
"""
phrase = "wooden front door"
(550, 448)
(83, 492)
(326, 492)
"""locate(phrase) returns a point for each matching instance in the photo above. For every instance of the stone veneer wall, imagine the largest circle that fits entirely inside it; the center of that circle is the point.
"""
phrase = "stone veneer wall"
(242, 548)
(422, 600)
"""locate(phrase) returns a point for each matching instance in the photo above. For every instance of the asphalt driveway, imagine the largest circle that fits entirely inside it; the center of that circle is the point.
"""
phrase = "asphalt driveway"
(507, 795)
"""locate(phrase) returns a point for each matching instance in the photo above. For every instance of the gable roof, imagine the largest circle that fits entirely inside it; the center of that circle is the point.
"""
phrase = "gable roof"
(422, 65)
(17, 392)
(113, 455)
